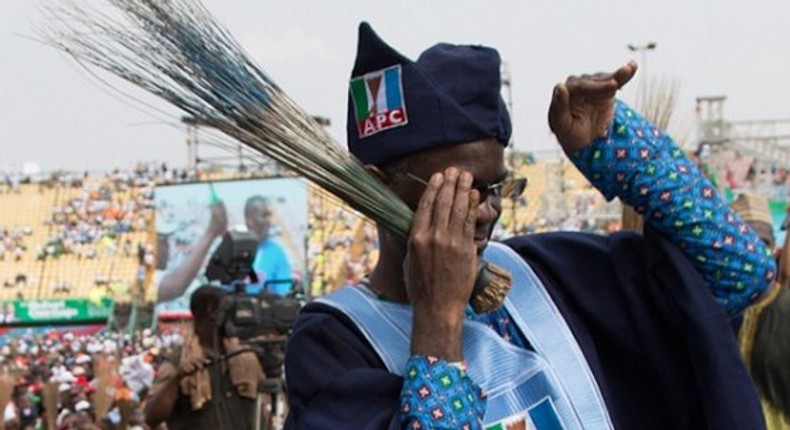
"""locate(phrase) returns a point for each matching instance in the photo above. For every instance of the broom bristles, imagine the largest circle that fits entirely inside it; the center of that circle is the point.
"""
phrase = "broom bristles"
(177, 51)
(657, 103)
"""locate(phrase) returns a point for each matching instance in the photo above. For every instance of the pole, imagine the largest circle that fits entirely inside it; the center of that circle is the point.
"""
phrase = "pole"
(256, 423)
(642, 51)
(506, 84)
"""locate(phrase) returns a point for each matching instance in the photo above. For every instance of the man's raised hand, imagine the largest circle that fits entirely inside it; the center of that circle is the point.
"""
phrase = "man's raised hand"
(582, 107)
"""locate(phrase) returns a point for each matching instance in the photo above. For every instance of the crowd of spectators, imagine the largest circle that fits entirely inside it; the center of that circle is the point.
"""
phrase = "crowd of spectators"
(731, 169)
(12, 242)
(94, 221)
(94, 382)
(90, 222)
(10, 182)
(342, 245)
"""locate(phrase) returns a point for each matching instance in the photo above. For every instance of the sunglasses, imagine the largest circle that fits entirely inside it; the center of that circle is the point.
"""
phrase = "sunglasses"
(509, 188)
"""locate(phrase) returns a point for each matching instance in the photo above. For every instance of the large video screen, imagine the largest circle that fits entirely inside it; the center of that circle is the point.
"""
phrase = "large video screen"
(274, 213)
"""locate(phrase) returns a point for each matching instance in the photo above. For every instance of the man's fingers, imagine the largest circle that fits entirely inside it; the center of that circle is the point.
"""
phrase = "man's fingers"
(559, 111)
(625, 73)
(197, 365)
(601, 85)
(444, 199)
(422, 218)
(189, 369)
(471, 215)
(622, 75)
(592, 88)
(461, 203)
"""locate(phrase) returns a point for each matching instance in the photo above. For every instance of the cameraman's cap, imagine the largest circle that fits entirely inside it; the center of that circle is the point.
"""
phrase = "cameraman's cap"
(450, 95)
(756, 211)
(752, 207)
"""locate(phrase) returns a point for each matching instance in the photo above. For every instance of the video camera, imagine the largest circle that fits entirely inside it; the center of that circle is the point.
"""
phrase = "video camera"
(244, 315)
(261, 321)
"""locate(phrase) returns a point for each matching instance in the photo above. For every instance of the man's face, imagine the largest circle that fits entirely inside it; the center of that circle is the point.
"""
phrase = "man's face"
(259, 219)
(484, 159)
(205, 325)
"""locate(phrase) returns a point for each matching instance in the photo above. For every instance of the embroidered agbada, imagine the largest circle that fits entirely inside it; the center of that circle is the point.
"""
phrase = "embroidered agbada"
(657, 343)
(622, 289)
(550, 387)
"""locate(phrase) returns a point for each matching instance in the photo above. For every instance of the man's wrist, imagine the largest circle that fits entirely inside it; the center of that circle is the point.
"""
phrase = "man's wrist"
(437, 333)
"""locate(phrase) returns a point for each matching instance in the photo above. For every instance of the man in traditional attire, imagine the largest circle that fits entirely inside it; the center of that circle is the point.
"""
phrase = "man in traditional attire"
(764, 331)
(624, 331)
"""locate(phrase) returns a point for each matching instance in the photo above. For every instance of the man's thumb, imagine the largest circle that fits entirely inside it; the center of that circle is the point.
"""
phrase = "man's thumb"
(560, 119)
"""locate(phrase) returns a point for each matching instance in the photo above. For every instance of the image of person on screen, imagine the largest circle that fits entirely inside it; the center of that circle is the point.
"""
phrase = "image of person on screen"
(271, 263)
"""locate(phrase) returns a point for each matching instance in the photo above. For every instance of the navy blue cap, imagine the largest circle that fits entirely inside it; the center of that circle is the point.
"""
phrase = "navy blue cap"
(397, 107)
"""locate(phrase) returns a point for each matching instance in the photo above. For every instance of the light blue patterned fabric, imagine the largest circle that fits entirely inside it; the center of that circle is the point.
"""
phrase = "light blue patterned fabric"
(644, 168)
(551, 381)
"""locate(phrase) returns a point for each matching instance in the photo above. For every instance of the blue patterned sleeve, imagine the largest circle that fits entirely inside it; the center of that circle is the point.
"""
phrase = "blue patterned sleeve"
(439, 395)
(645, 169)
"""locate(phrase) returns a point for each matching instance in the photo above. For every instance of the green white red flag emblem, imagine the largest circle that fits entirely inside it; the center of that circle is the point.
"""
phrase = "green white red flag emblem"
(378, 101)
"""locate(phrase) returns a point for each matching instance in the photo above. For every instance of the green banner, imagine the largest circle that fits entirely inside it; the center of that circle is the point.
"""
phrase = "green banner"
(50, 311)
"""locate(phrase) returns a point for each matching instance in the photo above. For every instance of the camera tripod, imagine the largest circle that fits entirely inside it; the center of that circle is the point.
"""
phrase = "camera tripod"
(266, 409)
(271, 353)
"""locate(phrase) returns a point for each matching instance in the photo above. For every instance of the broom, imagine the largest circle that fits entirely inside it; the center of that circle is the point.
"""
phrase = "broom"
(7, 384)
(51, 396)
(177, 51)
(104, 394)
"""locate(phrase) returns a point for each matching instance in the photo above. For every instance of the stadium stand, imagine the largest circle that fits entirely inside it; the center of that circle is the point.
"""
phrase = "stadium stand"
(89, 236)
(70, 238)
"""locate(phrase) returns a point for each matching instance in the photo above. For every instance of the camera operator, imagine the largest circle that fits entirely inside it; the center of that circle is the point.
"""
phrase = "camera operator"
(211, 382)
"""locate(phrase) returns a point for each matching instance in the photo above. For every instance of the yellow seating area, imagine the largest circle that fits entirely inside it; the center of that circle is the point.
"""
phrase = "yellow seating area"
(30, 272)
(25, 208)
(528, 210)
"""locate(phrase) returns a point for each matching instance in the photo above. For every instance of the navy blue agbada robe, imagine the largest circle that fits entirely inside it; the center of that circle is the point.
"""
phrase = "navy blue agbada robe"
(661, 349)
